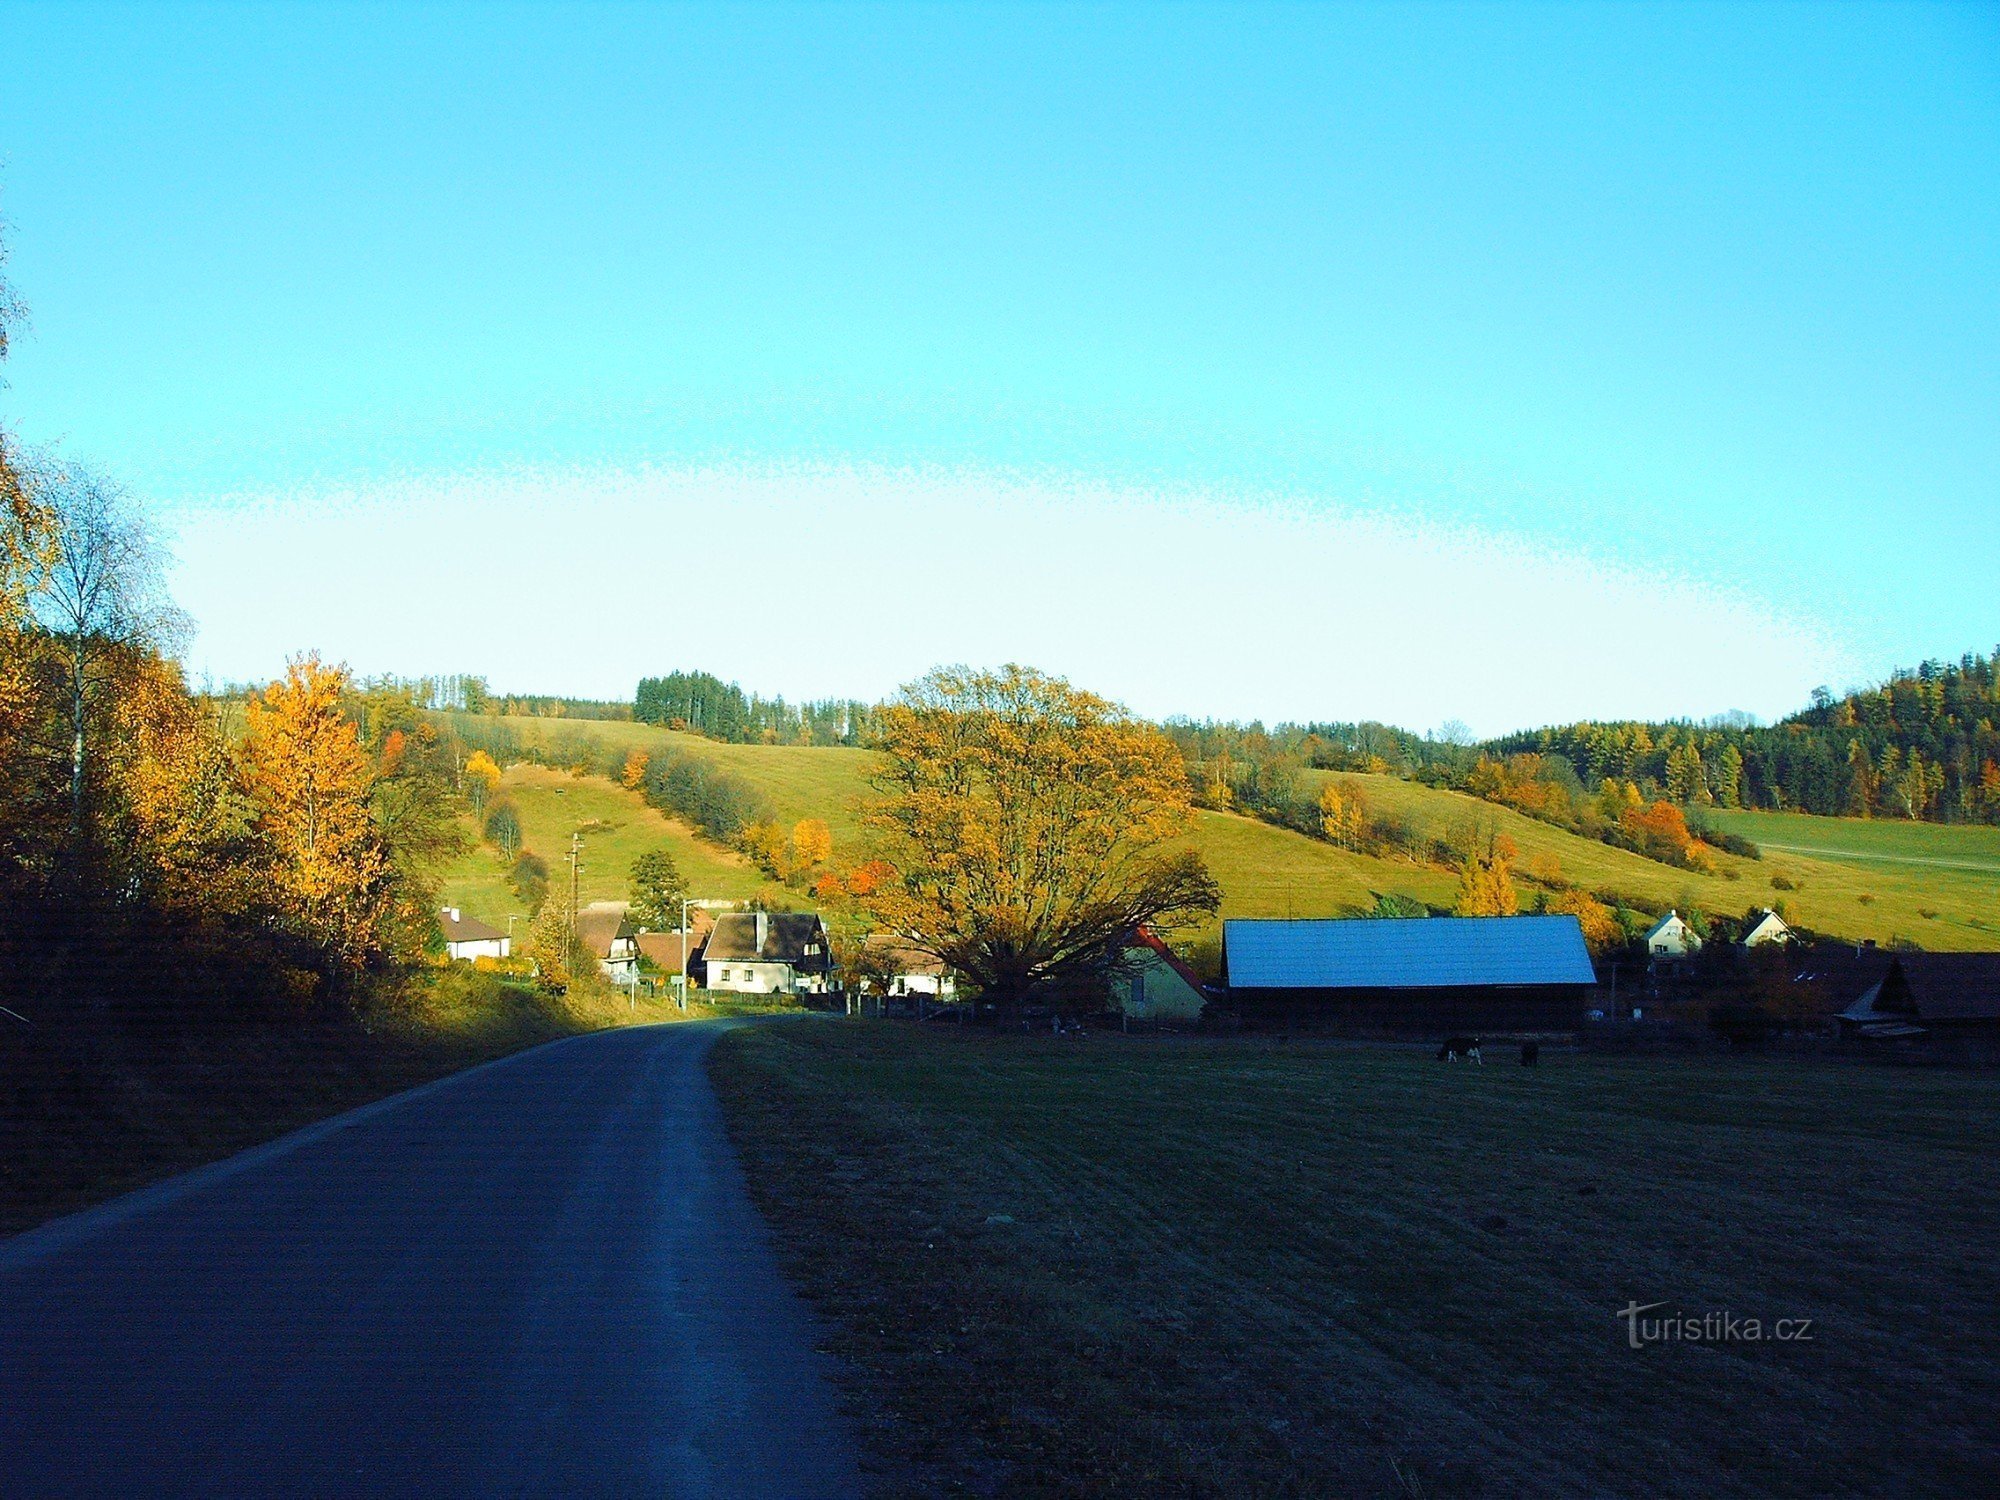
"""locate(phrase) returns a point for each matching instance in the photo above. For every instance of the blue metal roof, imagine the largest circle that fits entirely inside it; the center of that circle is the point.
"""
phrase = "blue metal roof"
(1412, 953)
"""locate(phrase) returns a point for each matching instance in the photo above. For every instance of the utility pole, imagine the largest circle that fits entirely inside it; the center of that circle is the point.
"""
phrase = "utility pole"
(575, 868)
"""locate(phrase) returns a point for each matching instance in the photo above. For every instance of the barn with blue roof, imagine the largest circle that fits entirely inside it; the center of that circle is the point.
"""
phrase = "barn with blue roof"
(1430, 976)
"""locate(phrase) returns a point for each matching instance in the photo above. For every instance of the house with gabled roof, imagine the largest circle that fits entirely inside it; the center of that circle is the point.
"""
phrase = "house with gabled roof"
(1929, 995)
(1151, 982)
(1672, 938)
(608, 936)
(1433, 976)
(466, 938)
(1765, 927)
(769, 953)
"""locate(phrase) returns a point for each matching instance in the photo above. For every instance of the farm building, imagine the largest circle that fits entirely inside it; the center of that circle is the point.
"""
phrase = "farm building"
(1671, 938)
(1929, 994)
(1151, 982)
(466, 938)
(768, 953)
(1767, 927)
(1431, 976)
(607, 935)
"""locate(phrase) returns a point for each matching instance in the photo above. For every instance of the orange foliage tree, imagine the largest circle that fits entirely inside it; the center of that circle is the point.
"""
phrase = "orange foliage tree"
(310, 777)
(1031, 825)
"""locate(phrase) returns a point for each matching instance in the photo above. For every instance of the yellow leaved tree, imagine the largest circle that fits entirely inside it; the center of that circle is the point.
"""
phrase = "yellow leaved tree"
(310, 777)
(1030, 825)
(482, 779)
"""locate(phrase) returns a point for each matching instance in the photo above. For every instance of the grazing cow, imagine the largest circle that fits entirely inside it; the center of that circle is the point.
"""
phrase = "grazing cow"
(1456, 1047)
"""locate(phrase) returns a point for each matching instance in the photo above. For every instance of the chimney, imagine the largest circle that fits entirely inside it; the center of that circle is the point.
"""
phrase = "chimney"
(452, 913)
(763, 931)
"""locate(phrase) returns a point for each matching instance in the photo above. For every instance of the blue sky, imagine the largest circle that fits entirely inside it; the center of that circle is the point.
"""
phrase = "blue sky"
(1501, 363)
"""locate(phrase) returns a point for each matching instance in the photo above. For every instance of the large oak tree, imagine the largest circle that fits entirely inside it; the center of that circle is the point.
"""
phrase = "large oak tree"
(1031, 826)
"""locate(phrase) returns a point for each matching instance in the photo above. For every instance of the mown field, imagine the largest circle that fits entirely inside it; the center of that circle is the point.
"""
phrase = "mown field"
(1106, 1265)
(1271, 872)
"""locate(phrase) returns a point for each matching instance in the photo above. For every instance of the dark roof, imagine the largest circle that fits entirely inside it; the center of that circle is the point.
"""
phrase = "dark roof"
(598, 927)
(1840, 972)
(1410, 953)
(463, 929)
(1941, 987)
(734, 939)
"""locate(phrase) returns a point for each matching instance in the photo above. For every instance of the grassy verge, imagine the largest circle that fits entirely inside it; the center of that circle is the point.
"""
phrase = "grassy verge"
(1111, 1266)
(92, 1112)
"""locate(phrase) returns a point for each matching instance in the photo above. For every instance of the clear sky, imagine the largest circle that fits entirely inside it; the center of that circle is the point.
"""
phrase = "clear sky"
(1492, 362)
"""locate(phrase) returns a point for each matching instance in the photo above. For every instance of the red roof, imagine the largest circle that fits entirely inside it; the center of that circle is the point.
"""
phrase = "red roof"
(1145, 937)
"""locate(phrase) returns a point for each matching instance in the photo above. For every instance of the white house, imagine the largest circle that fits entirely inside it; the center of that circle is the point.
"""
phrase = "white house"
(1671, 937)
(610, 939)
(467, 939)
(768, 953)
(1768, 928)
(907, 971)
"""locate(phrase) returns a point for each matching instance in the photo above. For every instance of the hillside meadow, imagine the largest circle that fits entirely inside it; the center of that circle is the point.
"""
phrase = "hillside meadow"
(1848, 879)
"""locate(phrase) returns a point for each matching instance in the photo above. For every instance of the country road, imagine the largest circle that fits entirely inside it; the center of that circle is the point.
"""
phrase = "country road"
(539, 1277)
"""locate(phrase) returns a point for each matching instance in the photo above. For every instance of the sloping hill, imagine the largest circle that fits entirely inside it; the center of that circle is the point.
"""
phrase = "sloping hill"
(1834, 875)
(1267, 871)
(616, 827)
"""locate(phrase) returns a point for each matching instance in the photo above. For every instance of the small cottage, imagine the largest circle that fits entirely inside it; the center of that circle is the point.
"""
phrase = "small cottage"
(466, 939)
(1672, 938)
(1767, 927)
(609, 937)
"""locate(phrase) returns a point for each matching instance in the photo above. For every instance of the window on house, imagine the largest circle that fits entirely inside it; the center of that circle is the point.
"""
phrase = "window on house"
(725, 976)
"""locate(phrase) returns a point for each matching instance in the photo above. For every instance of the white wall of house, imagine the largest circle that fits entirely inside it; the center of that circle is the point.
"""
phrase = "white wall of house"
(751, 978)
(481, 948)
(621, 964)
(1771, 929)
(1672, 938)
(1147, 985)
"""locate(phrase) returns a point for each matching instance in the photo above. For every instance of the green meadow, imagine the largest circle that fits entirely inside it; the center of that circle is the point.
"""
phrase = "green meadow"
(1936, 885)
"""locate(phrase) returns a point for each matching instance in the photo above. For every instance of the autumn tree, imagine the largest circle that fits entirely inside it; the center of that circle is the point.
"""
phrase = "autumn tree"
(1031, 826)
(100, 602)
(482, 780)
(1485, 888)
(559, 955)
(310, 777)
(657, 891)
(812, 845)
(1601, 932)
(634, 774)
(1343, 813)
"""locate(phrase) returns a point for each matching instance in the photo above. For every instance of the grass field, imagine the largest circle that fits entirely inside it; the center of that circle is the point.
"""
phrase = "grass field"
(1107, 1265)
(1843, 881)
(1271, 872)
(617, 827)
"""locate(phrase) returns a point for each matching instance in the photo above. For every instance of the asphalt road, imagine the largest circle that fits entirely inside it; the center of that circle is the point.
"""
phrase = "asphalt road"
(539, 1277)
